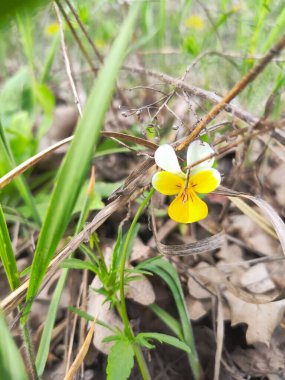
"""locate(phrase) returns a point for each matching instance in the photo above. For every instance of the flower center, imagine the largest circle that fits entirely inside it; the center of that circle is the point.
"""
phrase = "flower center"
(186, 194)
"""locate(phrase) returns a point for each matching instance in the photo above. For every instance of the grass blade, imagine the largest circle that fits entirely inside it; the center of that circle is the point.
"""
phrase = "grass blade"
(44, 346)
(168, 320)
(7, 254)
(11, 364)
(8, 163)
(168, 273)
(43, 349)
(75, 165)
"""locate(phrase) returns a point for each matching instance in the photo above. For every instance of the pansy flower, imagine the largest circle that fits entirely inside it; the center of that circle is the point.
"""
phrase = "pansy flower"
(187, 207)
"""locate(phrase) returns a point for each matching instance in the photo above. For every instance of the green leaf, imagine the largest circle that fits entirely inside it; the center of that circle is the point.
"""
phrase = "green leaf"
(11, 92)
(275, 32)
(74, 168)
(170, 322)
(11, 364)
(167, 272)
(45, 97)
(42, 202)
(105, 189)
(113, 338)
(191, 45)
(90, 254)
(43, 350)
(96, 201)
(81, 313)
(7, 254)
(117, 249)
(163, 338)
(26, 29)
(120, 361)
(78, 264)
(7, 163)
(89, 318)
(132, 240)
(50, 58)
(280, 81)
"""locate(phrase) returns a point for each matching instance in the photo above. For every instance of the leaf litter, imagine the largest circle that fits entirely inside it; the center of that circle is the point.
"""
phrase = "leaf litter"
(217, 269)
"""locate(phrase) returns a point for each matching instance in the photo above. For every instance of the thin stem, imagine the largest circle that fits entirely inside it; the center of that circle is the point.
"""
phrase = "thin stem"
(99, 250)
(235, 90)
(141, 362)
(29, 350)
(66, 60)
(128, 329)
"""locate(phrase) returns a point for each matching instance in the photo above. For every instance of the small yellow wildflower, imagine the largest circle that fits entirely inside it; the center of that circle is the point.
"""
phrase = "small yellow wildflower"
(187, 207)
(52, 29)
(195, 22)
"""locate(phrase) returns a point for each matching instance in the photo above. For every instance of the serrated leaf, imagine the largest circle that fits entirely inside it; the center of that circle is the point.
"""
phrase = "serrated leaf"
(120, 361)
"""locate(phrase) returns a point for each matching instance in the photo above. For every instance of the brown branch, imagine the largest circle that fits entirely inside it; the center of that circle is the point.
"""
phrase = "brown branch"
(24, 166)
(77, 39)
(86, 34)
(66, 60)
(91, 43)
(244, 82)
(193, 90)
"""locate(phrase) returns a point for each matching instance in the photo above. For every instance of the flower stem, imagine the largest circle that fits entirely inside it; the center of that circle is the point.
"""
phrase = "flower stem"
(128, 330)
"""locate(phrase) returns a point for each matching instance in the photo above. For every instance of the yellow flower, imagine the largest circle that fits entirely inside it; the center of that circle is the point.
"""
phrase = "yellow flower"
(194, 21)
(51, 29)
(187, 207)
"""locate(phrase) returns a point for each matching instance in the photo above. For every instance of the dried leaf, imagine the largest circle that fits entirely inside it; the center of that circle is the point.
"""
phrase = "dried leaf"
(206, 245)
(249, 232)
(141, 291)
(98, 306)
(81, 354)
(261, 319)
(207, 275)
(260, 360)
(270, 213)
(140, 251)
(278, 185)
(231, 253)
(257, 280)
(196, 309)
(129, 138)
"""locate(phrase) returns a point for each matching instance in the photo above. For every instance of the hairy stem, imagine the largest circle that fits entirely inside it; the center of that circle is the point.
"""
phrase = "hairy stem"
(30, 354)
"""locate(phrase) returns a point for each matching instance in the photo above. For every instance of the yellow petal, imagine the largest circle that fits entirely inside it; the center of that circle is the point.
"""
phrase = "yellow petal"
(167, 183)
(205, 181)
(187, 208)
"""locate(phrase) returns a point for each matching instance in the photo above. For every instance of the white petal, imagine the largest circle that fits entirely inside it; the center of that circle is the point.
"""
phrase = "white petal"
(197, 150)
(165, 157)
